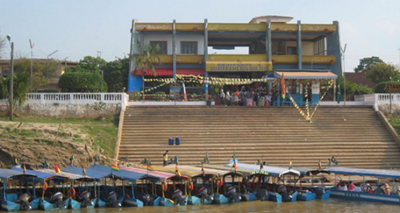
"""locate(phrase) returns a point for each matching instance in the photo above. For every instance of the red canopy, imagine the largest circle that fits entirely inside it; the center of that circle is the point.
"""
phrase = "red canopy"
(169, 72)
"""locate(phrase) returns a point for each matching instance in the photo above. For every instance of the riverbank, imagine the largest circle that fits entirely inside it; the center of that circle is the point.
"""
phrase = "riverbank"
(33, 138)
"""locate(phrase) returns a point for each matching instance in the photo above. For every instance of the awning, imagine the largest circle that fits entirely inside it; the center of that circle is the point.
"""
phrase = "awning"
(306, 75)
(170, 72)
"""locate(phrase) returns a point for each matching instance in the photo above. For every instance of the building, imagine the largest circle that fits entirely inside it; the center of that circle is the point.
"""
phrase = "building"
(307, 54)
(53, 77)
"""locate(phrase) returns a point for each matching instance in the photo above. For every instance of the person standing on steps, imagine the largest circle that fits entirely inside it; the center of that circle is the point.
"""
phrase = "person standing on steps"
(165, 157)
(222, 97)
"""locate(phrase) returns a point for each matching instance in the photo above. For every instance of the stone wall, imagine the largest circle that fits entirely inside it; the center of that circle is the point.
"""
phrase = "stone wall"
(71, 110)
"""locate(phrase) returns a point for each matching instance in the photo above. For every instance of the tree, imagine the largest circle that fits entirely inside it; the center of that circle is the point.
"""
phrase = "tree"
(20, 88)
(366, 62)
(82, 82)
(90, 64)
(144, 59)
(116, 74)
(382, 72)
(2, 44)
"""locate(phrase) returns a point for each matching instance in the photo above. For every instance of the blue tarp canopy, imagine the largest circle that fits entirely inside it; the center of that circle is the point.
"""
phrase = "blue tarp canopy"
(273, 171)
(96, 171)
(69, 175)
(99, 171)
(41, 176)
(7, 173)
(364, 172)
(307, 172)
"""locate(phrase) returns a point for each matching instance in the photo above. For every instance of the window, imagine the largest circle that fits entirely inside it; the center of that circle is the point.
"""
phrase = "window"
(320, 46)
(291, 51)
(189, 47)
(162, 45)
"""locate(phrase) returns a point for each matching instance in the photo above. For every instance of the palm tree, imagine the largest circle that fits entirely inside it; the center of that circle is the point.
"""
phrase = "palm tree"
(143, 59)
(21, 86)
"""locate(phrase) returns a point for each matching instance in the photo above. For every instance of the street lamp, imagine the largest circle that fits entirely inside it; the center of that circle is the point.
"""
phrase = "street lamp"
(31, 45)
(65, 64)
(47, 70)
(11, 77)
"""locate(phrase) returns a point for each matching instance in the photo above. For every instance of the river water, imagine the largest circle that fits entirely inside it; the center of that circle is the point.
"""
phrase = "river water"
(330, 205)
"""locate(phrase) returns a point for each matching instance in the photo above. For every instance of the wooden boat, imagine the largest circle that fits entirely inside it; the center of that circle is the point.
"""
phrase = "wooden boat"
(253, 186)
(15, 192)
(111, 195)
(79, 188)
(278, 191)
(375, 193)
(173, 188)
(47, 201)
(312, 191)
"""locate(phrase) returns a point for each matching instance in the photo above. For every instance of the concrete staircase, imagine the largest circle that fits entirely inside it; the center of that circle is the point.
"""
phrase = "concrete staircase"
(355, 136)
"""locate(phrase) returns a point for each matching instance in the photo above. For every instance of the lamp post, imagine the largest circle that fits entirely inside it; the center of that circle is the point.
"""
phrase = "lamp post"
(47, 70)
(31, 45)
(11, 77)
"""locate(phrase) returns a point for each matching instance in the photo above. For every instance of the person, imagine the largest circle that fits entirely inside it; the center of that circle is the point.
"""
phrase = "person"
(369, 188)
(222, 97)
(165, 157)
(351, 186)
(398, 191)
(236, 98)
(357, 188)
(268, 100)
(342, 186)
(387, 189)
(228, 98)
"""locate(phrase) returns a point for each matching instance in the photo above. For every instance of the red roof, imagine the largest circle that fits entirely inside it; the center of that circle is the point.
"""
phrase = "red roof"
(169, 72)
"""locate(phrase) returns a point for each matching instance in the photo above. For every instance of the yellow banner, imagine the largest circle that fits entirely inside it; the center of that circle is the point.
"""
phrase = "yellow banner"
(244, 66)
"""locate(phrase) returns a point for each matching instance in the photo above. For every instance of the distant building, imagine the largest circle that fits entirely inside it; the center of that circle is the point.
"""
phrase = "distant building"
(300, 51)
(53, 78)
(359, 78)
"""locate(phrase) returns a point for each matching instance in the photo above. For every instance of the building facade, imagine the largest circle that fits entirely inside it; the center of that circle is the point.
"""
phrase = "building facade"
(300, 51)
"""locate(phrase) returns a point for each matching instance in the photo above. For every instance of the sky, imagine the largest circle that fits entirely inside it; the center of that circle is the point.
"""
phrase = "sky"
(78, 28)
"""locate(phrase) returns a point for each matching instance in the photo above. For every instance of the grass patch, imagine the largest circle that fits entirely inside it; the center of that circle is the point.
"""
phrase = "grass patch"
(395, 122)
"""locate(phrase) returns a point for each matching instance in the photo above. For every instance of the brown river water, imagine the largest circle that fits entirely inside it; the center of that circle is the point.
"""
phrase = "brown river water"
(331, 205)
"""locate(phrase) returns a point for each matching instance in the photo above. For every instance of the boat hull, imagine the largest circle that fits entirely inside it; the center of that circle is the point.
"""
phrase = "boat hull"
(218, 199)
(169, 202)
(47, 206)
(365, 196)
(307, 196)
(131, 202)
(276, 197)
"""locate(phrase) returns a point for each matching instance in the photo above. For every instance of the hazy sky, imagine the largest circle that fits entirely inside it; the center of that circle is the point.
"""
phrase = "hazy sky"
(77, 28)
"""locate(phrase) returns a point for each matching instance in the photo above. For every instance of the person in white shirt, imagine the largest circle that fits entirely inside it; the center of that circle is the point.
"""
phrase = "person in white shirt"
(343, 187)
(357, 188)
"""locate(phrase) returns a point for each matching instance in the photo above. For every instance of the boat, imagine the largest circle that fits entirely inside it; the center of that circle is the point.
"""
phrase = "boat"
(253, 186)
(313, 190)
(15, 190)
(112, 195)
(47, 201)
(202, 185)
(153, 178)
(278, 190)
(173, 188)
(79, 188)
(375, 193)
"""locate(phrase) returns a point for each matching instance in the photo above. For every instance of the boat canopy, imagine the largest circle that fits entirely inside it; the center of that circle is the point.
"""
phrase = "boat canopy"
(364, 172)
(227, 170)
(70, 175)
(161, 176)
(308, 172)
(272, 170)
(95, 171)
(5, 174)
(41, 176)
(207, 171)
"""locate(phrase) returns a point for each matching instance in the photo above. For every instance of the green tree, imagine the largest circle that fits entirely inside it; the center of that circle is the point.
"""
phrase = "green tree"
(90, 64)
(144, 59)
(353, 88)
(366, 62)
(382, 72)
(116, 74)
(2, 44)
(82, 82)
(20, 88)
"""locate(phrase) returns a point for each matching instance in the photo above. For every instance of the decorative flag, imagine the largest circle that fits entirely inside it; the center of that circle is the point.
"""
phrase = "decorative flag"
(45, 164)
(177, 171)
(184, 91)
(176, 160)
(261, 165)
(57, 169)
(234, 161)
(283, 87)
(150, 168)
(16, 160)
(319, 165)
(149, 162)
(83, 171)
(114, 168)
(24, 169)
(333, 160)
(290, 165)
(202, 169)
(339, 94)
